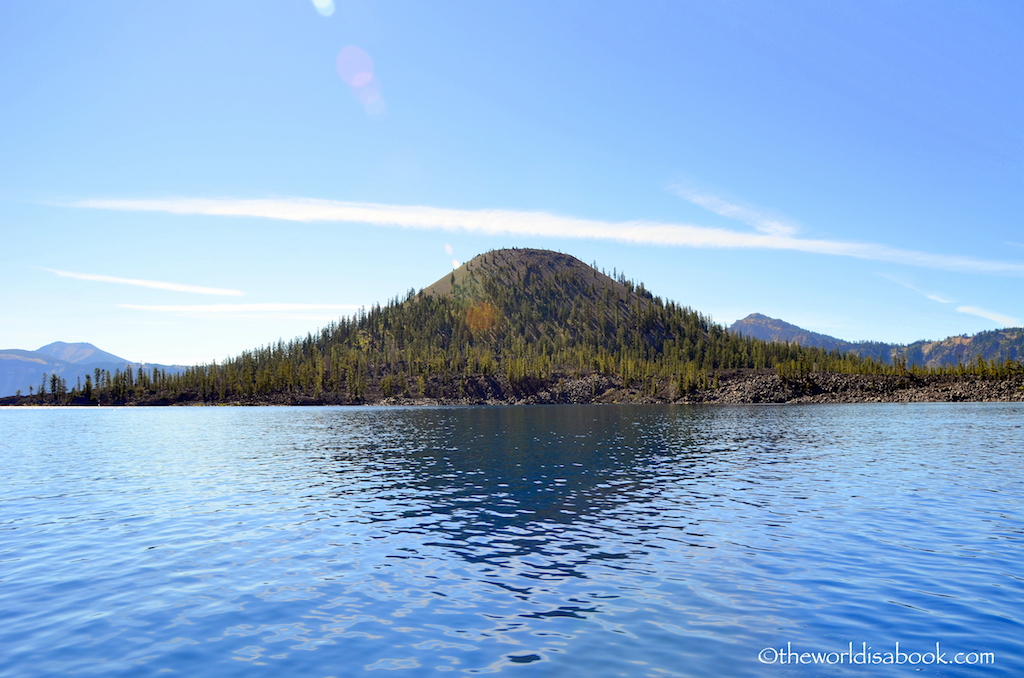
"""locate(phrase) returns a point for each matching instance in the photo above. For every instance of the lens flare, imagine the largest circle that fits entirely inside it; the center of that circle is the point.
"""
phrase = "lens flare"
(325, 7)
(448, 248)
(481, 317)
(368, 92)
(355, 66)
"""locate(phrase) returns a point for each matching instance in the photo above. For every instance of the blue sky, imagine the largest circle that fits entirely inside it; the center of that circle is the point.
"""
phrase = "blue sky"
(183, 181)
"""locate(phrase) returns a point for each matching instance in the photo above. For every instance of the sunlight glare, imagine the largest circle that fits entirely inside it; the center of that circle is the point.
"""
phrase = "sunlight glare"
(325, 7)
(355, 67)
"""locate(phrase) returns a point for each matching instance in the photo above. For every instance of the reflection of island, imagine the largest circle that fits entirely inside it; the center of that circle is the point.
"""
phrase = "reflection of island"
(518, 531)
(538, 516)
(532, 326)
(544, 491)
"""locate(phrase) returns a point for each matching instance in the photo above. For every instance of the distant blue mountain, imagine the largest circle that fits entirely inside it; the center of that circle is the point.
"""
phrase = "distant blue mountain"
(79, 353)
(997, 345)
(21, 370)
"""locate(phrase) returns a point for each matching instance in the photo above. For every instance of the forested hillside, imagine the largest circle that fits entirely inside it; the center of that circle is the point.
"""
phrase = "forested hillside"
(507, 324)
(995, 346)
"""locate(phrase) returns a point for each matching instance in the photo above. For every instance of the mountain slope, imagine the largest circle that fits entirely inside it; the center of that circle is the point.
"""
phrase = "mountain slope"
(773, 329)
(80, 352)
(992, 345)
(541, 294)
(22, 370)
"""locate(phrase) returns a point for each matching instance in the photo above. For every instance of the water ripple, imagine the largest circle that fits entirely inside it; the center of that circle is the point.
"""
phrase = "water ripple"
(598, 541)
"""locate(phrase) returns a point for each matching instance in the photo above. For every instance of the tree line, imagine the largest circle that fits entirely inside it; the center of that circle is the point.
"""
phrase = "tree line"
(512, 326)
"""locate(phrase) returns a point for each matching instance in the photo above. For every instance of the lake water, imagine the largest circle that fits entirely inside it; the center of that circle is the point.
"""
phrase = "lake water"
(532, 541)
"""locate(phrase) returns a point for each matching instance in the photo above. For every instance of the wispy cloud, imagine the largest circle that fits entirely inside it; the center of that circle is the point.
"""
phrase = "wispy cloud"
(154, 284)
(1001, 318)
(221, 309)
(543, 224)
(1004, 320)
(759, 219)
(933, 297)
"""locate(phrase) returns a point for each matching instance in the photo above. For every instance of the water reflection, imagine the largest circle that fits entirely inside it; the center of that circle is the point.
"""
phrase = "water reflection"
(561, 540)
(544, 487)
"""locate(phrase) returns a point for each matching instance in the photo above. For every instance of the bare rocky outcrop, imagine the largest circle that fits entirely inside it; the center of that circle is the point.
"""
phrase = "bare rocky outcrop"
(827, 387)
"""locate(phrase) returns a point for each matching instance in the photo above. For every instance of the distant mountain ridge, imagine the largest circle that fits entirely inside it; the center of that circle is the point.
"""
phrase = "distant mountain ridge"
(997, 345)
(21, 369)
(80, 352)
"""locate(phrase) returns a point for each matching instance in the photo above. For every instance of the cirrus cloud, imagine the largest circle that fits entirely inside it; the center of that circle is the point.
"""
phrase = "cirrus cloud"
(242, 308)
(762, 221)
(544, 224)
(153, 284)
(1001, 318)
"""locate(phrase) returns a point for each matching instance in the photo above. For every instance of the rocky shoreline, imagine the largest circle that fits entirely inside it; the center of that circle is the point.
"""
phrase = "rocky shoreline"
(770, 388)
(828, 387)
(735, 388)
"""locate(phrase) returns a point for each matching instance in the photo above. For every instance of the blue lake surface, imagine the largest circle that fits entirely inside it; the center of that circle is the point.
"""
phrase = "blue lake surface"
(531, 541)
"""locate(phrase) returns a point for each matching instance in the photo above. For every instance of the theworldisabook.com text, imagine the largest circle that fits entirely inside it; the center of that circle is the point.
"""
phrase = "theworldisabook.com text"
(867, 655)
